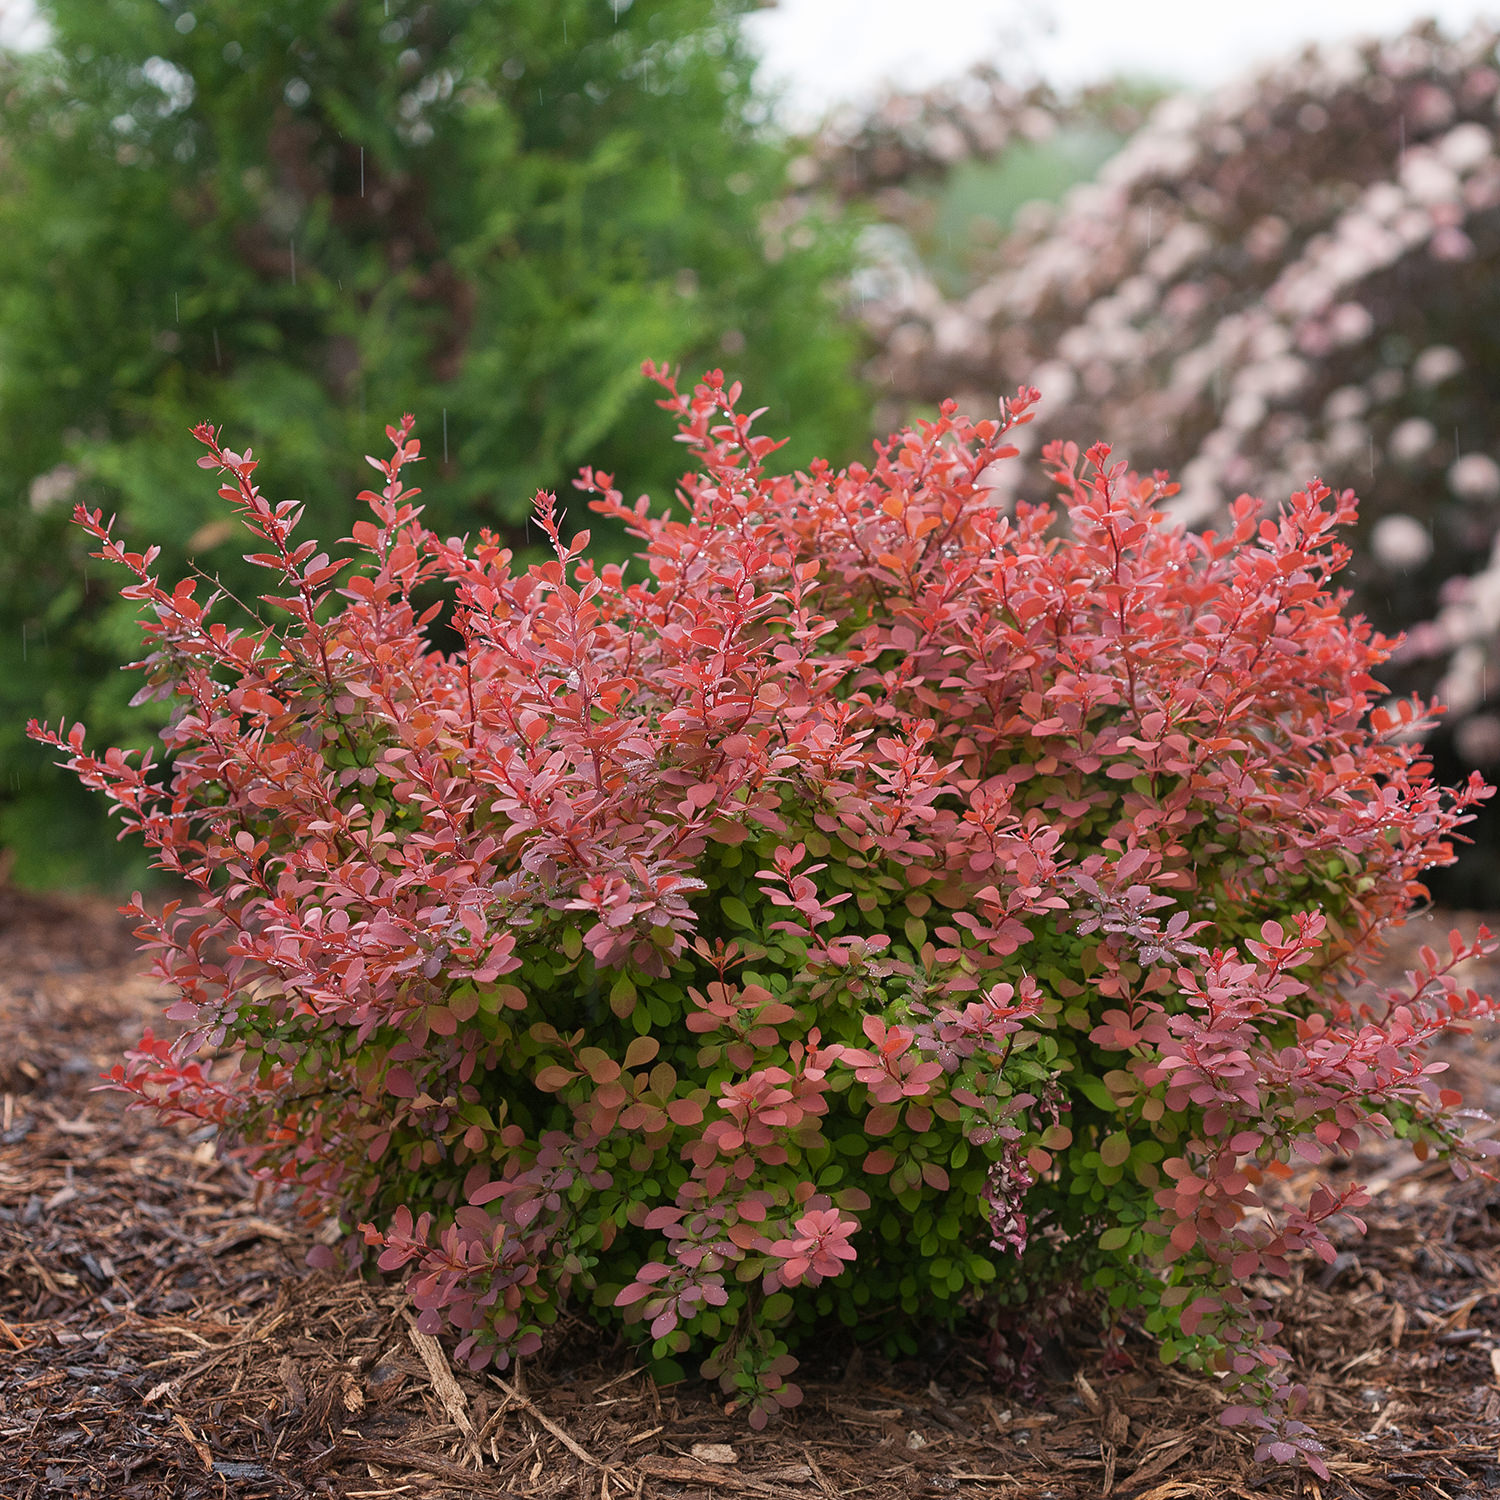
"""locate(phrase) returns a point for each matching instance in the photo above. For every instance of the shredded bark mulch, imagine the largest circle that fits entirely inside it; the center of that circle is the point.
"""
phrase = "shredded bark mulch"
(160, 1335)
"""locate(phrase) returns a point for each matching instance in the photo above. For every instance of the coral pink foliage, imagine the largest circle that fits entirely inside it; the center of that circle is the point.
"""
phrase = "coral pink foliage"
(885, 879)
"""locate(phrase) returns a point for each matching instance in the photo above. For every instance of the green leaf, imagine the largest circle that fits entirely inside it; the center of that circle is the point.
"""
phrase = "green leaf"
(736, 911)
(622, 996)
(1094, 1091)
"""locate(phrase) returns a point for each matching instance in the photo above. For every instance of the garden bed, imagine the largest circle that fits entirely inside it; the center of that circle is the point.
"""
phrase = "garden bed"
(160, 1335)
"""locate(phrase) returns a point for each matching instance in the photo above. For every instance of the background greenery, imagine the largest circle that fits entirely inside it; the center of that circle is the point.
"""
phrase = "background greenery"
(1289, 277)
(299, 220)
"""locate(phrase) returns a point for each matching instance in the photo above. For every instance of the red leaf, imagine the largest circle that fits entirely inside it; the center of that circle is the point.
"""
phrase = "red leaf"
(934, 1176)
(398, 1081)
(684, 1112)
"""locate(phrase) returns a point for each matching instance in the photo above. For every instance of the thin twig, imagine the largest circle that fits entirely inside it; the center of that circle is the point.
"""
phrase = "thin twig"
(530, 1407)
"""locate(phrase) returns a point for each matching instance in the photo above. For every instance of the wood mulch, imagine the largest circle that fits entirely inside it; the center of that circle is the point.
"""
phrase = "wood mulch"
(160, 1335)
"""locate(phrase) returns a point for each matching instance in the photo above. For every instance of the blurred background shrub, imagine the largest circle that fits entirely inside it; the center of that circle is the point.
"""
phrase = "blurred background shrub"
(1288, 277)
(301, 219)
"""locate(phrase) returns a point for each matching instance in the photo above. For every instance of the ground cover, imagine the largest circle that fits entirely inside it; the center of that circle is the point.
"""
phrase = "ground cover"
(160, 1335)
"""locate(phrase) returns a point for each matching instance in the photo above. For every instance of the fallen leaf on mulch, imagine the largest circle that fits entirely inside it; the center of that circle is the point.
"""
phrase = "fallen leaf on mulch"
(161, 1337)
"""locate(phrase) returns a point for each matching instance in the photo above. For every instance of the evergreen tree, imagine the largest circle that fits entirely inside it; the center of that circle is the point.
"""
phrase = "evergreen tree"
(299, 219)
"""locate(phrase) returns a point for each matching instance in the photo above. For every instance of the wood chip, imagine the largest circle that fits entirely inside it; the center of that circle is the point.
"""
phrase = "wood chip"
(1398, 1324)
(199, 1446)
(714, 1453)
(291, 1378)
(547, 1422)
(1116, 1425)
(448, 1390)
(684, 1471)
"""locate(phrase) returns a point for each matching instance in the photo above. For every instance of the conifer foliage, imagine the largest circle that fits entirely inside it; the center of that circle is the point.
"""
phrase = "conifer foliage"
(303, 216)
(878, 902)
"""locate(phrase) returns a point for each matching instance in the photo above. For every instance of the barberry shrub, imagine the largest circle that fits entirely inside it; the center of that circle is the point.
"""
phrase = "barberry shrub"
(883, 901)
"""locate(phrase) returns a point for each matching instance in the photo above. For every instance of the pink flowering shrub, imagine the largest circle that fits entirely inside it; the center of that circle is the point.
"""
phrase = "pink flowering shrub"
(881, 151)
(1290, 275)
(880, 901)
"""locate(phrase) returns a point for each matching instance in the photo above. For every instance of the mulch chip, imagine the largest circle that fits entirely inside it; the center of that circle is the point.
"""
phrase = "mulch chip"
(160, 1335)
